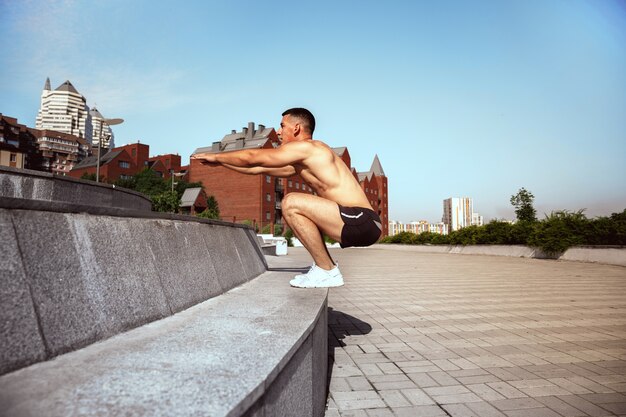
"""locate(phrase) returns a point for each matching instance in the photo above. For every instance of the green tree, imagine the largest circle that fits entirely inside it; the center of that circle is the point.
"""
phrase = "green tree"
(167, 201)
(523, 203)
(559, 231)
(212, 211)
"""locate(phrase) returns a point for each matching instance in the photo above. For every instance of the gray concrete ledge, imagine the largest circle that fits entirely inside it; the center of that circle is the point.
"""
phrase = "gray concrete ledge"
(68, 280)
(259, 350)
(603, 255)
(43, 186)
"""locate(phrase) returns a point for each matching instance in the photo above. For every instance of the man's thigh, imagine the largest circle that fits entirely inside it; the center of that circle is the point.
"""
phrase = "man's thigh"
(324, 213)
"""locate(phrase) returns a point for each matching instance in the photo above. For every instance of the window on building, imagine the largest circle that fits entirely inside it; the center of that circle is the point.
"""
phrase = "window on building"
(297, 186)
(13, 157)
(267, 215)
(124, 164)
(134, 153)
(290, 183)
(268, 197)
(268, 179)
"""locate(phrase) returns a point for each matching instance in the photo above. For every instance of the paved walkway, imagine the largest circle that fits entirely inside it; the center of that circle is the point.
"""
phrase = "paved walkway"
(414, 334)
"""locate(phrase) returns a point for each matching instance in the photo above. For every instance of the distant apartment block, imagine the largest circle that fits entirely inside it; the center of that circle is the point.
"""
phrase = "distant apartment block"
(257, 198)
(477, 220)
(60, 151)
(457, 212)
(422, 226)
(64, 110)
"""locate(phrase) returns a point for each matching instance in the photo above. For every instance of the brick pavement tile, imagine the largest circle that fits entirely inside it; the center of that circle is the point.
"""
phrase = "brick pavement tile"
(332, 413)
(357, 400)
(370, 369)
(485, 392)
(604, 398)
(457, 398)
(339, 384)
(590, 385)
(570, 386)
(379, 412)
(459, 410)
(479, 379)
(484, 409)
(462, 373)
(394, 385)
(421, 411)
(617, 408)
(394, 398)
(585, 406)
(448, 390)
(417, 397)
(342, 371)
(561, 407)
(544, 391)
(389, 368)
(388, 378)
(358, 383)
(506, 389)
(442, 378)
(535, 412)
(516, 404)
(354, 413)
(423, 380)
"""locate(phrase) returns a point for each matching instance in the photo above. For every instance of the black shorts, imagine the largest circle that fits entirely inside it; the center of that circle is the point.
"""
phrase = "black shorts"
(362, 227)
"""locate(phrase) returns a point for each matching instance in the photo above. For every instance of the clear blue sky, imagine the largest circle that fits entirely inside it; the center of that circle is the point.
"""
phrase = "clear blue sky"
(458, 98)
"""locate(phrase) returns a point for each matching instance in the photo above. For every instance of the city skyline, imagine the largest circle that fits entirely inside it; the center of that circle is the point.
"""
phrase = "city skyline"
(456, 99)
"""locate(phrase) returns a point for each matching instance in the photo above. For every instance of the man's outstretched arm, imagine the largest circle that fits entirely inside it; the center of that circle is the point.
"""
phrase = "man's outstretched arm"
(287, 171)
(286, 155)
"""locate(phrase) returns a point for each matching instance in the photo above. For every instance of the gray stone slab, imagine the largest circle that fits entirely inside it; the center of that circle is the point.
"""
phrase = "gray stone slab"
(222, 247)
(35, 185)
(249, 252)
(184, 265)
(217, 358)
(291, 393)
(20, 340)
(53, 272)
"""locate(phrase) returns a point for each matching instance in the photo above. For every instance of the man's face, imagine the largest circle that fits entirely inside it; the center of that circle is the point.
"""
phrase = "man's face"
(287, 129)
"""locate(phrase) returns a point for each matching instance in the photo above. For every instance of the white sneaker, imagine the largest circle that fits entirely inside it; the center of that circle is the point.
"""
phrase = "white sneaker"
(318, 278)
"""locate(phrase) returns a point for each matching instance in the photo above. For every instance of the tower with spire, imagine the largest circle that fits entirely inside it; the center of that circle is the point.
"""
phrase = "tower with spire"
(374, 183)
(64, 110)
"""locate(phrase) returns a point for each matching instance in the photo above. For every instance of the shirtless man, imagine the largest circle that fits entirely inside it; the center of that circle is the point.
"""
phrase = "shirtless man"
(340, 209)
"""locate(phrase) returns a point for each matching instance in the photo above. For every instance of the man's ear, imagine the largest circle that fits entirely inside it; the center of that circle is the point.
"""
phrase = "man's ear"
(297, 129)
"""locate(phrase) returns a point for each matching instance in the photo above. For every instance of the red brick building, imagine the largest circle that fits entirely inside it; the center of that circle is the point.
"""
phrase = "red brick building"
(257, 198)
(125, 161)
(18, 145)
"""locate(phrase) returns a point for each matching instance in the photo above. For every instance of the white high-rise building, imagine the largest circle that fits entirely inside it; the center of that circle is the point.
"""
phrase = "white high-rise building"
(102, 133)
(64, 110)
(457, 212)
(477, 220)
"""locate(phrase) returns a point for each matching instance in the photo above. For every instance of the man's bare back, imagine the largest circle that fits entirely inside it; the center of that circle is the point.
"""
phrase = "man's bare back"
(328, 175)
(340, 209)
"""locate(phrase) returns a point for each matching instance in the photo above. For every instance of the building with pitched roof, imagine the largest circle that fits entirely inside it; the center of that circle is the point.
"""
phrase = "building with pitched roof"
(374, 183)
(257, 198)
(193, 201)
(122, 163)
(64, 110)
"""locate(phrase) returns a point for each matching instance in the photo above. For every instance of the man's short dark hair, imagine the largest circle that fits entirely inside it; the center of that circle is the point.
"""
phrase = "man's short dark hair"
(304, 115)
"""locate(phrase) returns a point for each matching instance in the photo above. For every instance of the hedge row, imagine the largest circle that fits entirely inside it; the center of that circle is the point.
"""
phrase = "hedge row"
(553, 235)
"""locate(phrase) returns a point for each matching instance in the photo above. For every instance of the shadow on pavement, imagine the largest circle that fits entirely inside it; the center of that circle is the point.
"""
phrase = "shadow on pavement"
(341, 325)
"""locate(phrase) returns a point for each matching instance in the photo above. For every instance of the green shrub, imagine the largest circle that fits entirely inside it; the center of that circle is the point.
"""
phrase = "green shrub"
(559, 231)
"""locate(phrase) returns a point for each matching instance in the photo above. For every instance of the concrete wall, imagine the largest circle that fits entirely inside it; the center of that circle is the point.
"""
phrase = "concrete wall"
(43, 186)
(605, 255)
(70, 279)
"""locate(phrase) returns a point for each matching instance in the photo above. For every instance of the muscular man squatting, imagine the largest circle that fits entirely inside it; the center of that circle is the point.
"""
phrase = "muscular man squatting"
(340, 209)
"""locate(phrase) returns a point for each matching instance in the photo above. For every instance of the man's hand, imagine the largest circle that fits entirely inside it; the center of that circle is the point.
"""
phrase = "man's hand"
(206, 158)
